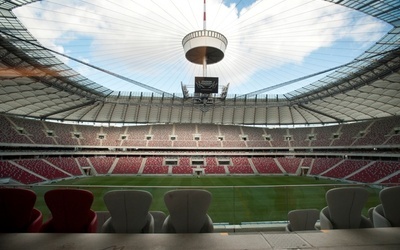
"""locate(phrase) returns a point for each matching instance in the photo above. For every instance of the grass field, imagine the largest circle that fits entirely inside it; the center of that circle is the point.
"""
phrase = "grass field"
(235, 199)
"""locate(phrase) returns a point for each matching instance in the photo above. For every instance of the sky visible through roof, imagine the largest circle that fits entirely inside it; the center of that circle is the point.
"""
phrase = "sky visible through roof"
(269, 41)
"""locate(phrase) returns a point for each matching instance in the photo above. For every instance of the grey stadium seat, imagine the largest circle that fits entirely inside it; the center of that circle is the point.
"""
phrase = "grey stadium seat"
(344, 209)
(188, 211)
(302, 219)
(387, 214)
(159, 217)
(129, 210)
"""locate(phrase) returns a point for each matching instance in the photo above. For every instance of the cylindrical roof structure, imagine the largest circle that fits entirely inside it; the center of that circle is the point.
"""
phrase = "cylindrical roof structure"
(204, 44)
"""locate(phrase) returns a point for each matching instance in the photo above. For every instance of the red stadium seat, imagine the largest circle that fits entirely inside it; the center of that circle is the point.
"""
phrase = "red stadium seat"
(71, 211)
(17, 212)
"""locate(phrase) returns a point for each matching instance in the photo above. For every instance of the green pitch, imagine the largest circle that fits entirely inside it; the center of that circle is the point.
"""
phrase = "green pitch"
(235, 199)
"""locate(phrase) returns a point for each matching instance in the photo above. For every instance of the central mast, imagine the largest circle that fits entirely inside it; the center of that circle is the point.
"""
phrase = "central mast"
(204, 16)
(204, 28)
(204, 47)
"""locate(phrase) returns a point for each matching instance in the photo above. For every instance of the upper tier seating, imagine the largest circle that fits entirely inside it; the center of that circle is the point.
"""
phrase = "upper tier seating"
(161, 132)
(89, 135)
(10, 134)
(34, 129)
(378, 133)
(160, 143)
(278, 138)
(258, 144)
(300, 137)
(112, 135)
(208, 132)
(210, 144)
(254, 133)
(324, 135)
(185, 132)
(26, 131)
(394, 140)
(64, 134)
(185, 144)
(233, 144)
(349, 133)
(136, 136)
(230, 133)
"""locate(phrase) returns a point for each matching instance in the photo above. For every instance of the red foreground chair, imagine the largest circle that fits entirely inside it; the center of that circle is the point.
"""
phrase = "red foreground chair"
(17, 212)
(71, 211)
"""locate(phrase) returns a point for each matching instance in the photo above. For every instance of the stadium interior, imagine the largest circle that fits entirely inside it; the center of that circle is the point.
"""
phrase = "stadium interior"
(59, 128)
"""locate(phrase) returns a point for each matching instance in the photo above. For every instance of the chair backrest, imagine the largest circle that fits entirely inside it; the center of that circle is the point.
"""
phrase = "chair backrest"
(129, 209)
(16, 209)
(70, 209)
(390, 199)
(188, 209)
(345, 206)
(102, 217)
(159, 218)
(303, 219)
